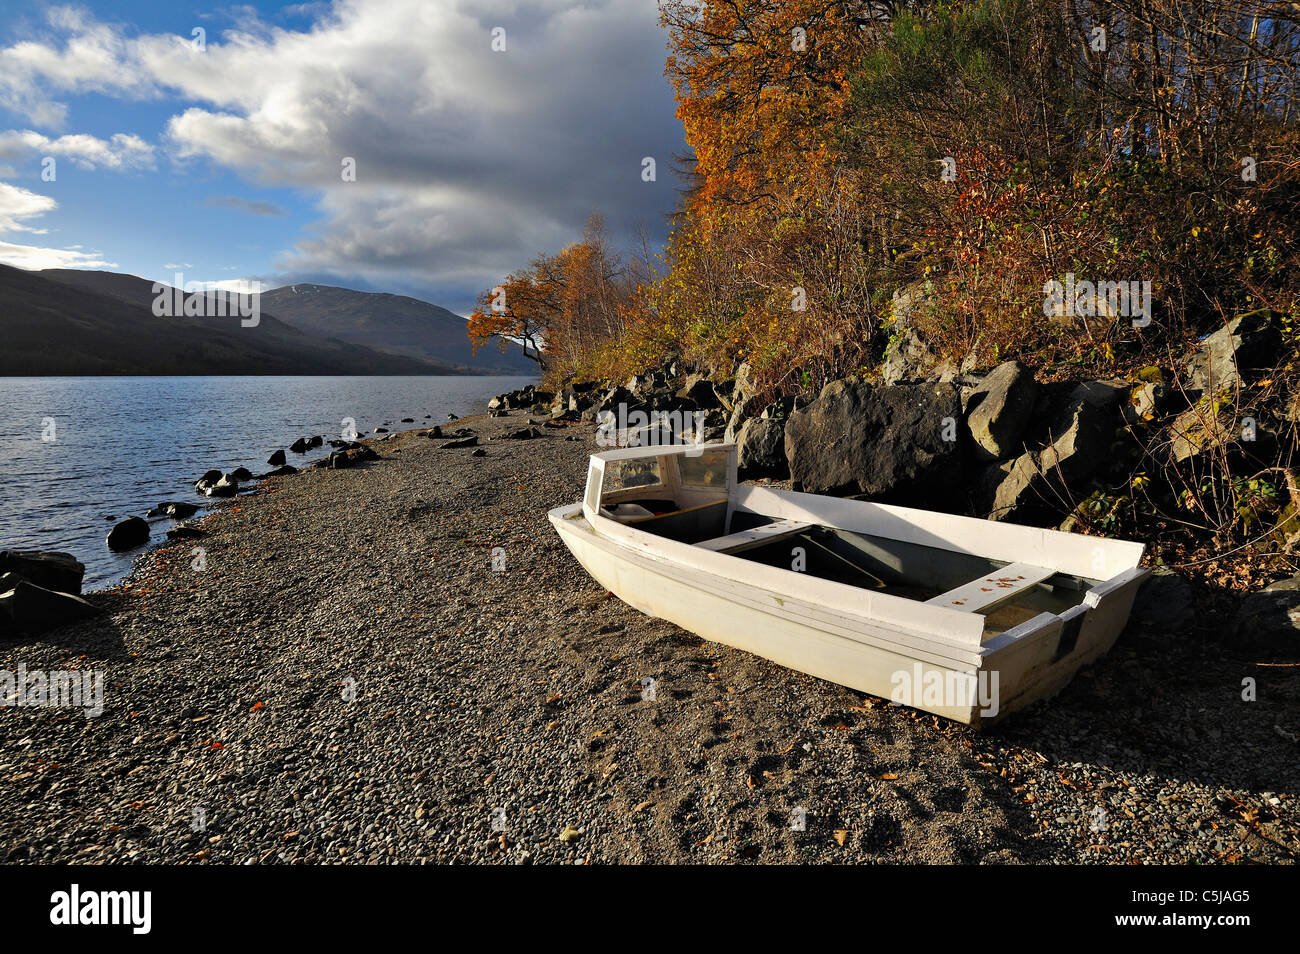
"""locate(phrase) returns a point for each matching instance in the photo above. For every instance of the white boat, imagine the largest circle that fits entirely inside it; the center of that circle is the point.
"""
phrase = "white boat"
(969, 619)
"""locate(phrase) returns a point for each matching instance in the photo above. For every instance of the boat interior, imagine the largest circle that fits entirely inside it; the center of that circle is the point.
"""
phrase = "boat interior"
(686, 499)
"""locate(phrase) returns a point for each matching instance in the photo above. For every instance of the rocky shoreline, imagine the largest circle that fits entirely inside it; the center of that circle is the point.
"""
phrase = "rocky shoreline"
(394, 659)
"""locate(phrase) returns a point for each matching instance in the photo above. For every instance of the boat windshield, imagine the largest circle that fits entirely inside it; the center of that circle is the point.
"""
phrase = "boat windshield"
(637, 472)
(707, 469)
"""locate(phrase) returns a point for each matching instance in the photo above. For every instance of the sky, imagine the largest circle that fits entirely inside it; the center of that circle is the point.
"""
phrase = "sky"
(158, 137)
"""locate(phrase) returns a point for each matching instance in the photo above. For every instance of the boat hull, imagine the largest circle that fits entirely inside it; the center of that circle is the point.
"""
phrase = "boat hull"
(1028, 664)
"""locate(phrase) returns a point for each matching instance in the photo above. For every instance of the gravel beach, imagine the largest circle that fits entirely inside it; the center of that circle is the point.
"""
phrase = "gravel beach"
(348, 679)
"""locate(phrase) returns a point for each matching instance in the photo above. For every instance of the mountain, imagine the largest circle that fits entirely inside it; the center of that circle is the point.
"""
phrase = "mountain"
(63, 321)
(391, 323)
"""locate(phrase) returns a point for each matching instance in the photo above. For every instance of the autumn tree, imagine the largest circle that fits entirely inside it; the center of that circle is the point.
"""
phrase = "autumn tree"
(565, 308)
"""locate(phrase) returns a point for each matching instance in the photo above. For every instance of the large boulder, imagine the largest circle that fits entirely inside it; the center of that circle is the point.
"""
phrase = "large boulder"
(28, 608)
(735, 421)
(739, 391)
(998, 410)
(761, 449)
(1271, 616)
(1012, 490)
(1200, 428)
(699, 391)
(1248, 341)
(227, 486)
(611, 401)
(1080, 440)
(128, 534)
(898, 442)
(276, 459)
(54, 571)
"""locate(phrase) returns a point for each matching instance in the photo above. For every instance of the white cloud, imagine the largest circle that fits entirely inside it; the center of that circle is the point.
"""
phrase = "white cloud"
(469, 161)
(74, 55)
(122, 151)
(17, 205)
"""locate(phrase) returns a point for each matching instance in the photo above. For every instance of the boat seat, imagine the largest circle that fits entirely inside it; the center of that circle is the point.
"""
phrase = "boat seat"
(993, 588)
(746, 539)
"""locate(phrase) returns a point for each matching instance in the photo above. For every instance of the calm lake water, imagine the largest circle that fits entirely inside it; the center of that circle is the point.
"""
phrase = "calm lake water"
(123, 445)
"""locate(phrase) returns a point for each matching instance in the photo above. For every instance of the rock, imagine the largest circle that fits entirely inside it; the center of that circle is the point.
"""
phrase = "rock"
(1146, 401)
(284, 471)
(739, 390)
(185, 533)
(898, 441)
(782, 409)
(1012, 490)
(299, 446)
(699, 391)
(999, 409)
(761, 449)
(242, 474)
(478, 453)
(1248, 341)
(130, 533)
(227, 486)
(1103, 395)
(735, 422)
(523, 434)
(1270, 616)
(461, 442)
(1165, 604)
(453, 417)
(381, 430)
(181, 511)
(338, 460)
(408, 420)
(1198, 429)
(316, 441)
(54, 571)
(210, 477)
(28, 608)
(909, 358)
(276, 459)
(1081, 439)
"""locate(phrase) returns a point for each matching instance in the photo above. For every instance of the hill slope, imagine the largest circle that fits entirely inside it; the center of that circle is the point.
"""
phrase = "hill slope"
(76, 322)
(390, 323)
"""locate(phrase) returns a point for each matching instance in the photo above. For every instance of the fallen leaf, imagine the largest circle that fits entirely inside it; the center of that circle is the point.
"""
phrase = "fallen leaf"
(841, 836)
